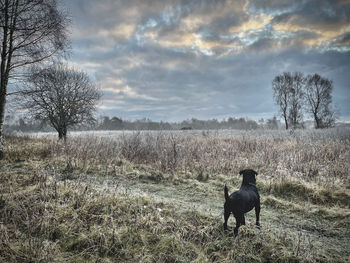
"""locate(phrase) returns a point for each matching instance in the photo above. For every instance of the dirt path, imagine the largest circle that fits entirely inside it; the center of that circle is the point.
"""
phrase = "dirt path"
(182, 195)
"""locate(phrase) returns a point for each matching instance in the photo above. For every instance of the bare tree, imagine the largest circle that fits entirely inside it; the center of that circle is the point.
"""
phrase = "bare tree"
(295, 96)
(288, 91)
(319, 98)
(30, 32)
(62, 96)
(281, 86)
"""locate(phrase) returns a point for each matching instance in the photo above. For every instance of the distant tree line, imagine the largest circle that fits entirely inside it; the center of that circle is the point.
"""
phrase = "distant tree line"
(115, 123)
(297, 95)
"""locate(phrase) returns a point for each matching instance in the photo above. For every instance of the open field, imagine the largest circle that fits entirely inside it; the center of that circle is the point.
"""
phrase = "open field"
(158, 197)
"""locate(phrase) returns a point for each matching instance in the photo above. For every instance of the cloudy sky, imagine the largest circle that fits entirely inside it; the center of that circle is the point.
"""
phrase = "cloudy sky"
(176, 59)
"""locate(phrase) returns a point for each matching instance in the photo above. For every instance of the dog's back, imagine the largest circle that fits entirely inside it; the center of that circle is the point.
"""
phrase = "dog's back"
(243, 200)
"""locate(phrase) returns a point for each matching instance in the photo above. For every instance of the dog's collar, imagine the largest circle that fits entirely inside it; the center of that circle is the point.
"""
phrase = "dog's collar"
(252, 184)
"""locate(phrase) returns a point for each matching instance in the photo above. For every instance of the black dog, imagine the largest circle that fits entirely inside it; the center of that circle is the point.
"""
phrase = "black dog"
(243, 200)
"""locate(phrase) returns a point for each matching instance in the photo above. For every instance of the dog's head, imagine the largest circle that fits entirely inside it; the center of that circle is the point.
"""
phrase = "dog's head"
(248, 176)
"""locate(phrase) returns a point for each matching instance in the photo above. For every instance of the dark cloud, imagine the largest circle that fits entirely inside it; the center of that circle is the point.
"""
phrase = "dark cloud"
(222, 25)
(320, 14)
(343, 39)
(273, 6)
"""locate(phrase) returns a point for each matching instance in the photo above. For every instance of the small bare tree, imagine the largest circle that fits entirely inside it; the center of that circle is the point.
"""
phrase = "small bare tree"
(319, 98)
(62, 96)
(30, 32)
(281, 86)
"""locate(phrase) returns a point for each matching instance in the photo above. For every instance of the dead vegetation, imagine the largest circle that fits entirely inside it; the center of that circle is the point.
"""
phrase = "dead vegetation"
(158, 197)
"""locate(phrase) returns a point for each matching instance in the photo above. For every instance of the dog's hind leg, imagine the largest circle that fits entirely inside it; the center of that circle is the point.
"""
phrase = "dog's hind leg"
(257, 214)
(242, 220)
(239, 222)
(226, 216)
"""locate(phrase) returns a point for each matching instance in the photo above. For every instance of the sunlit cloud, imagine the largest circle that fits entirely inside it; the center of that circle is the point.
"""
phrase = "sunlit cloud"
(256, 23)
(121, 31)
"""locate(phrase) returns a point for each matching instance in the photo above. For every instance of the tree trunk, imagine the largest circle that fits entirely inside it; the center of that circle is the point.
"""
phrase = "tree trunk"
(2, 117)
(4, 72)
(286, 121)
(65, 133)
(317, 122)
(1, 135)
(62, 133)
(3, 88)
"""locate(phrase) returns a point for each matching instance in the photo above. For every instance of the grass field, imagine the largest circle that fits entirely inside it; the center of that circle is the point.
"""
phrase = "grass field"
(158, 197)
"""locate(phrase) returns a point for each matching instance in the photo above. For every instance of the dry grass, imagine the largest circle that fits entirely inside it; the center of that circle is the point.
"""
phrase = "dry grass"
(157, 197)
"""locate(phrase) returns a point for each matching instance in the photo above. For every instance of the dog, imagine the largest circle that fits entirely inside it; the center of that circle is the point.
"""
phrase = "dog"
(243, 200)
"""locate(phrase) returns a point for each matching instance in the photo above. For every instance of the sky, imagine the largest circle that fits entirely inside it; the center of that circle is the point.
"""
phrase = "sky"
(173, 60)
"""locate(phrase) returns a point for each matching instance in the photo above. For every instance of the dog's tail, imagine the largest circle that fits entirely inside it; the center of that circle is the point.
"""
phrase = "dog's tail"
(226, 193)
